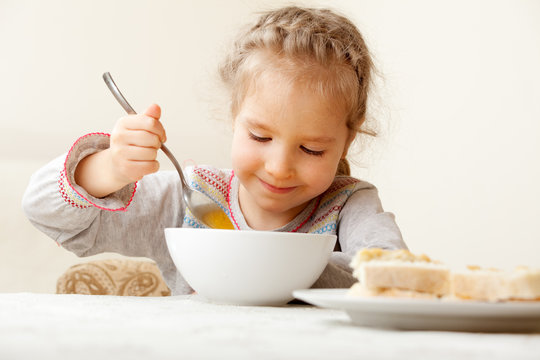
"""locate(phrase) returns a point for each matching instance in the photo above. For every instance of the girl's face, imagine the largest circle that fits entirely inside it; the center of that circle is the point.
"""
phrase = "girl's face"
(286, 147)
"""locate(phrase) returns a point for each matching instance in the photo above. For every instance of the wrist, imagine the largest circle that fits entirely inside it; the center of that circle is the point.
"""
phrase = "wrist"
(97, 174)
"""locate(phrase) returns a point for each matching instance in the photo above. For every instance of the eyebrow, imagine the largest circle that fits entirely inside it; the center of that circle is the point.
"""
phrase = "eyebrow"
(254, 123)
(320, 139)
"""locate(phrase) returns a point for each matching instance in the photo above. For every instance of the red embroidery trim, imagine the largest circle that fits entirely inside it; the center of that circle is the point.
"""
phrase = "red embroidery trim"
(333, 209)
(64, 193)
(73, 189)
(310, 215)
(229, 200)
(212, 179)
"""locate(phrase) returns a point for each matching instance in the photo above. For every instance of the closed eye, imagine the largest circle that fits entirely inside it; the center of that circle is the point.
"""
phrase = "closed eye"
(312, 152)
(259, 138)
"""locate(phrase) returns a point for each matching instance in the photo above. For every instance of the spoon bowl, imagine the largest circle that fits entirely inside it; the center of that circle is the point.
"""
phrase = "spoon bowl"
(201, 206)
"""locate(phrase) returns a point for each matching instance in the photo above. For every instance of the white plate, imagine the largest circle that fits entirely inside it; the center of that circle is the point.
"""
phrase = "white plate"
(422, 314)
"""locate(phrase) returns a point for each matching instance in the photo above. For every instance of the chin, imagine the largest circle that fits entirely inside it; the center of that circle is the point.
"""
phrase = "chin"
(277, 206)
(272, 206)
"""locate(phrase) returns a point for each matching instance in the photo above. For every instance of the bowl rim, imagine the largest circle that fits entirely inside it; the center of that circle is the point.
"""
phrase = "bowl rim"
(250, 232)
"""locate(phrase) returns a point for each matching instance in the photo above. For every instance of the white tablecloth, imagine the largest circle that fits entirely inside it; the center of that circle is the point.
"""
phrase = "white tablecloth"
(46, 326)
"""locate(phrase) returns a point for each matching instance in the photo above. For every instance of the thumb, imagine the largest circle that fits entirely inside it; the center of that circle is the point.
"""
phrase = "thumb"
(153, 111)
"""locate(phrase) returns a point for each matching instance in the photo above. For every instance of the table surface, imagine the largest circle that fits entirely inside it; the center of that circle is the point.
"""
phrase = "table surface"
(48, 326)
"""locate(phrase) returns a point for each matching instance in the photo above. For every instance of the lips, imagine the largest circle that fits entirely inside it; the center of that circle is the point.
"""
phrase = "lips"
(275, 189)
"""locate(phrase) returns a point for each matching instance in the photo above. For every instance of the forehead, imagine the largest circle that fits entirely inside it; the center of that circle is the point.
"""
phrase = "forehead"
(273, 101)
(295, 94)
(335, 85)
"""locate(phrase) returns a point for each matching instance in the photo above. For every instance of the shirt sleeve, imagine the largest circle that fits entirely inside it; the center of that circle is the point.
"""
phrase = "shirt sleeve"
(364, 224)
(129, 221)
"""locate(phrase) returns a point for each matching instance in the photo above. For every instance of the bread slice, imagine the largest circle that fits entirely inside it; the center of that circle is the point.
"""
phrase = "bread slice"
(361, 291)
(398, 273)
(492, 285)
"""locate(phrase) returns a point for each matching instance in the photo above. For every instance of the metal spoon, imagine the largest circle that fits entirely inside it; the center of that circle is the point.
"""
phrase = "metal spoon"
(201, 206)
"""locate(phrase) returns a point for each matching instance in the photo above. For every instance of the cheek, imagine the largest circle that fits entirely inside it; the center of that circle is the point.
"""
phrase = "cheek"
(319, 174)
(243, 155)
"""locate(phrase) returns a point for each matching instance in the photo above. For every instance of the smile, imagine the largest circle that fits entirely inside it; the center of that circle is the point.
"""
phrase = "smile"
(275, 189)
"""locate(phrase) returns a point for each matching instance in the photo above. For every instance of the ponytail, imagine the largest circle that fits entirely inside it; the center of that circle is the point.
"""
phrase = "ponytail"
(343, 168)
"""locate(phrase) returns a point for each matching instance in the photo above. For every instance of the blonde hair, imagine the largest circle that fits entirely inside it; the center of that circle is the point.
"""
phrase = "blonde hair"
(316, 46)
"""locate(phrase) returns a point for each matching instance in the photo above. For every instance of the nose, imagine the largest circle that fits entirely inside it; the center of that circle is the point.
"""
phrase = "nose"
(279, 163)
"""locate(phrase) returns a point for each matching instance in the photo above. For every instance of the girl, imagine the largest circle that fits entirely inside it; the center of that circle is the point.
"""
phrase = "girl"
(299, 80)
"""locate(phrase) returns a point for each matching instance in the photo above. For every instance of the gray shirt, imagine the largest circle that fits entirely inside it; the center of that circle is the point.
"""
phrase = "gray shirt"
(131, 221)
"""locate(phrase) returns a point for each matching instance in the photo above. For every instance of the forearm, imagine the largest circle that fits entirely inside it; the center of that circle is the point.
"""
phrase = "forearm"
(337, 274)
(51, 208)
(62, 209)
(364, 223)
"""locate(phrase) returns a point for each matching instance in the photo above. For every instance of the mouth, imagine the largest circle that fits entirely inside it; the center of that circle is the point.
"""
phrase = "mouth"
(276, 189)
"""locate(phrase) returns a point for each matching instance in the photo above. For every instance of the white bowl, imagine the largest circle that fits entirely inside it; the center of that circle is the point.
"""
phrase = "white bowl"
(248, 267)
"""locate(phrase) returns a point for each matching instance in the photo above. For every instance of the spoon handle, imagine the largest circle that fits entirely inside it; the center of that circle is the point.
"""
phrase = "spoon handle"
(123, 102)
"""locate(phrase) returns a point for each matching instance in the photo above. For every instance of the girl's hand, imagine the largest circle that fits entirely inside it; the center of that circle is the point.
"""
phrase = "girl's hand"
(135, 141)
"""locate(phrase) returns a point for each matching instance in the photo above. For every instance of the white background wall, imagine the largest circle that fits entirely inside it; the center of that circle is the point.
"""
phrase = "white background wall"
(459, 106)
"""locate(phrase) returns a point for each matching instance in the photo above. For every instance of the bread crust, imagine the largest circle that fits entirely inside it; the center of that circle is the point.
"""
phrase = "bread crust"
(399, 273)
(496, 285)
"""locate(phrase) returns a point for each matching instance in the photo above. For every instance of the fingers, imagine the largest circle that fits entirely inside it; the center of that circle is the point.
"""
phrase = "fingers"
(147, 121)
(138, 138)
(153, 111)
(132, 163)
(136, 153)
(144, 123)
(135, 141)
